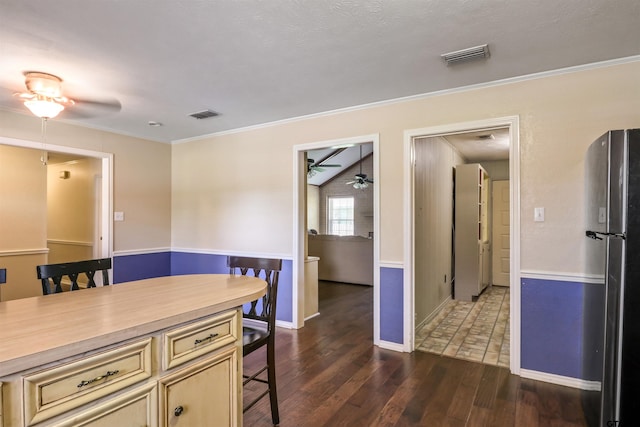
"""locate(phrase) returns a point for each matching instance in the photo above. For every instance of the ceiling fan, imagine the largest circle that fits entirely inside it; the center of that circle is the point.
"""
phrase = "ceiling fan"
(44, 98)
(314, 167)
(360, 181)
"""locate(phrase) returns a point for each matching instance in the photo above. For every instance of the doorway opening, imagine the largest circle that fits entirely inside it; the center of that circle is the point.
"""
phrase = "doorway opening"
(450, 241)
(70, 193)
(318, 187)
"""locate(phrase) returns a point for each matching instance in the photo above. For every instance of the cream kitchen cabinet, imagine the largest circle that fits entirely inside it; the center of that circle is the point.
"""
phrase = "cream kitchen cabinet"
(179, 364)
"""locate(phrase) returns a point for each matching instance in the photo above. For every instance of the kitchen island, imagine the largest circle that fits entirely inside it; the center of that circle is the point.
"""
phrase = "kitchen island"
(161, 351)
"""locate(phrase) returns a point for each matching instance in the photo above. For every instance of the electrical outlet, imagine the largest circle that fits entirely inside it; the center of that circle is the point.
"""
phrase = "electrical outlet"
(118, 216)
(538, 214)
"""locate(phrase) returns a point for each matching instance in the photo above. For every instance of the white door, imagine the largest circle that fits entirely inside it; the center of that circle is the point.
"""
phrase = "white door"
(500, 233)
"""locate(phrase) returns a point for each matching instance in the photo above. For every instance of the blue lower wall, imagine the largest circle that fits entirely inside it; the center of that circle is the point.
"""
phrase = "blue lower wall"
(561, 328)
(143, 266)
(391, 305)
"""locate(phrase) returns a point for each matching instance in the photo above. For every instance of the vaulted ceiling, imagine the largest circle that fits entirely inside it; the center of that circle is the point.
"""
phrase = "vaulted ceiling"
(256, 62)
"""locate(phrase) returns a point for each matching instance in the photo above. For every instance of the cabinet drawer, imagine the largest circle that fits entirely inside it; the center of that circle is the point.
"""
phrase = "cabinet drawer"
(59, 389)
(191, 341)
(136, 408)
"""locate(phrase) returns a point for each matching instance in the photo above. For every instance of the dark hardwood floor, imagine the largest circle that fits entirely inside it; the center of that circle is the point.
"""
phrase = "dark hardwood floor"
(330, 374)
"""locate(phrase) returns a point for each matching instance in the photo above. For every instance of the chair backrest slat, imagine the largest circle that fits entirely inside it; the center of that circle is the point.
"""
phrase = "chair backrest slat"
(53, 274)
(267, 269)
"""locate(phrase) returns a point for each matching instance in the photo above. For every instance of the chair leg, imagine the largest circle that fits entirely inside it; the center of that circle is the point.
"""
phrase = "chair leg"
(273, 393)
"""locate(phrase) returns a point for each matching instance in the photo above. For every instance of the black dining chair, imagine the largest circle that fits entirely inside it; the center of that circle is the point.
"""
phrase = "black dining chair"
(260, 330)
(52, 274)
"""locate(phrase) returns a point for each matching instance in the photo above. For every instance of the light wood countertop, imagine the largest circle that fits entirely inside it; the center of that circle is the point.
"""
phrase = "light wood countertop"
(36, 331)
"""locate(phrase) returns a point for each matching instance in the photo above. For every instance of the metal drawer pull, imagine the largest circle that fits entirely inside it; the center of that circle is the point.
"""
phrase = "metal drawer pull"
(101, 377)
(178, 411)
(210, 337)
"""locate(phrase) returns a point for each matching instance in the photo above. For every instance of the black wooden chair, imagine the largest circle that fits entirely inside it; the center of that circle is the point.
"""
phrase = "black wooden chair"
(52, 274)
(260, 331)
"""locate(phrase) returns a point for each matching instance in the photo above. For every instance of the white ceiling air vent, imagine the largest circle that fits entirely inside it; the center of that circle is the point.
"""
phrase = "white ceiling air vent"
(478, 52)
(203, 114)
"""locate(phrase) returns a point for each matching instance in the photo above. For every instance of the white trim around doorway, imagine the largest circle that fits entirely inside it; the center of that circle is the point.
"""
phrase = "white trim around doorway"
(299, 231)
(512, 122)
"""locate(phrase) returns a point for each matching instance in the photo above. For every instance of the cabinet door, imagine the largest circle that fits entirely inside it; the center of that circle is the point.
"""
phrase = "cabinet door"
(204, 394)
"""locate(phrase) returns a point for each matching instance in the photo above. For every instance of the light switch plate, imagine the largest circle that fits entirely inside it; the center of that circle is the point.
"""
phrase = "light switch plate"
(538, 214)
(118, 216)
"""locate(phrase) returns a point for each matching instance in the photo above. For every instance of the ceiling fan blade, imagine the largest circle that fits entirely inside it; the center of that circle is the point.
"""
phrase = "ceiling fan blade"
(330, 166)
(86, 108)
(350, 182)
(369, 180)
(332, 154)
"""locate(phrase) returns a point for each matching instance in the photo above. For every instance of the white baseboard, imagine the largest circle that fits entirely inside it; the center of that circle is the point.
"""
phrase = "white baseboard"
(284, 324)
(258, 324)
(561, 380)
(434, 313)
(388, 345)
(312, 316)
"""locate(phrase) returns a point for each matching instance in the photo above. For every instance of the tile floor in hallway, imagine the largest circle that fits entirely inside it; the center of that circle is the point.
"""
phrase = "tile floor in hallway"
(476, 331)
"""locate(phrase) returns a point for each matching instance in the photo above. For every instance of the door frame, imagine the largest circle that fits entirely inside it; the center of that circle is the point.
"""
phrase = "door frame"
(300, 233)
(511, 122)
(106, 192)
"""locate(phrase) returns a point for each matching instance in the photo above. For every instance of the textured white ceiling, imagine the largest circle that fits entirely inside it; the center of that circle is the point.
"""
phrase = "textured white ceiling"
(261, 61)
(475, 148)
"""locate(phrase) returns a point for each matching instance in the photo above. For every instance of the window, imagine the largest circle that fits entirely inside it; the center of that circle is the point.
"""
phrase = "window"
(340, 216)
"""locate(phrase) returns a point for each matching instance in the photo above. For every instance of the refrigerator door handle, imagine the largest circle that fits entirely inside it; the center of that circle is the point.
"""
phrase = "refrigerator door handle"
(596, 235)
(593, 235)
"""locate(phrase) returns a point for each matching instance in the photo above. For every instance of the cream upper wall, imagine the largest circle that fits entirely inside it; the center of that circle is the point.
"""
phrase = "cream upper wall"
(23, 216)
(141, 182)
(233, 196)
(71, 202)
(235, 191)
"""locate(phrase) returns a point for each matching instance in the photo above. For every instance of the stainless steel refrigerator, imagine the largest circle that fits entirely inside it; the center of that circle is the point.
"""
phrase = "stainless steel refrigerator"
(613, 223)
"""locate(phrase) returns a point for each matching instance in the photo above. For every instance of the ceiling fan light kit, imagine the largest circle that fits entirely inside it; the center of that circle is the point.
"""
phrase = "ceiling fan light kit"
(361, 181)
(44, 94)
(360, 185)
(43, 107)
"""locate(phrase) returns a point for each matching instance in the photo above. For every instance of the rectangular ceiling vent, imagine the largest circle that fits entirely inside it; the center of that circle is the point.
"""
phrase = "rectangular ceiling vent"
(477, 52)
(203, 114)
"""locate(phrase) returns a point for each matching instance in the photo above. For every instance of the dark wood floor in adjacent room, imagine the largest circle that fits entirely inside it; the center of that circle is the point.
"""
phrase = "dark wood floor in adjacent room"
(330, 374)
